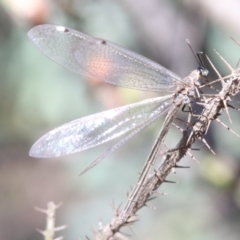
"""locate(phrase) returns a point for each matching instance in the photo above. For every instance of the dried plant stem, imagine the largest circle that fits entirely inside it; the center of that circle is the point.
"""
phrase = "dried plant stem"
(212, 106)
(50, 230)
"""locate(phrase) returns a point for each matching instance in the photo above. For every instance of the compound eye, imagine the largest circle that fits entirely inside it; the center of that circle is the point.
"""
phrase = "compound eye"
(203, 71)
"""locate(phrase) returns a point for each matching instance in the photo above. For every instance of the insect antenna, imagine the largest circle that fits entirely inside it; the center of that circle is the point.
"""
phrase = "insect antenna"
(202, 69)
(196, 55)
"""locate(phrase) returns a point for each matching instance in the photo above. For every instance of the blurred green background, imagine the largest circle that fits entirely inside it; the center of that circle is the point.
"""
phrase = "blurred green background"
(37, 95)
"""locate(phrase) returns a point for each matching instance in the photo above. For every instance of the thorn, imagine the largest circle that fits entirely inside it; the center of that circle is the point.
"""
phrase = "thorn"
(150, 199)
(226, 108)
(166, 181)
(208, 125)
(195, 149)
(124, 234)
(158, 175)
(161, 193)
(216, 71)
(58, 238)
(198, 95)
(228, 128)
(190, 135)
(131, 229)
(187, 123)
(237, 109)
(205, 142)
(113, 205)
(58, 205)
(100, 225)
(166, 148)
(202, 103)
(41, 210)
(121, 236)
(151, 207)
(210, 83)
(94, 231)
(132, 219)
(237, 66)
(119, 208)
(235, 41)
(41, 231)
(177, 127)
(177, 166)
(60, 228)
(192, 157)
(215, 89)
(227, 64)
(115, 209)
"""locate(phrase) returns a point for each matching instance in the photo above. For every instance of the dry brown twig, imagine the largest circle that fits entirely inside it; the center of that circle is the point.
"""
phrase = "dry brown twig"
(212, 106)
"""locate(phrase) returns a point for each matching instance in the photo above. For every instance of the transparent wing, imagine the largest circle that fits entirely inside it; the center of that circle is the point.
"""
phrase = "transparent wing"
(96, 129)
(126, 137)
(102, 60)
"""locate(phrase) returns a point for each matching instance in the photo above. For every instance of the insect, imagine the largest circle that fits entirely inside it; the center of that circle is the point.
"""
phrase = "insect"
(181, 97)
(108, 62)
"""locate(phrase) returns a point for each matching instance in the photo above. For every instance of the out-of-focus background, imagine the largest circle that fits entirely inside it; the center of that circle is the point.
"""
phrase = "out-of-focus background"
(37, 95)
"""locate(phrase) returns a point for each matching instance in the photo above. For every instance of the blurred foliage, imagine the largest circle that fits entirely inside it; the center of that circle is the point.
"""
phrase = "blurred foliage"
(37, 95)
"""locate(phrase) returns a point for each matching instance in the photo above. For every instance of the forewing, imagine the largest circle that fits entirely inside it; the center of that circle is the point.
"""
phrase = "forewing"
(102, 60)
(96, 129)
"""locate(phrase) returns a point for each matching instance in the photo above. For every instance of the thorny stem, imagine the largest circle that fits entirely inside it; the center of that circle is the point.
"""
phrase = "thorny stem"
(50, 230)
(179, 98)
(212, 106)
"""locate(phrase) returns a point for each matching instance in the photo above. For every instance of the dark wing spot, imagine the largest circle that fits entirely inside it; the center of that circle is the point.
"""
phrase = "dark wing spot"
(101, 41)
(66, 30)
